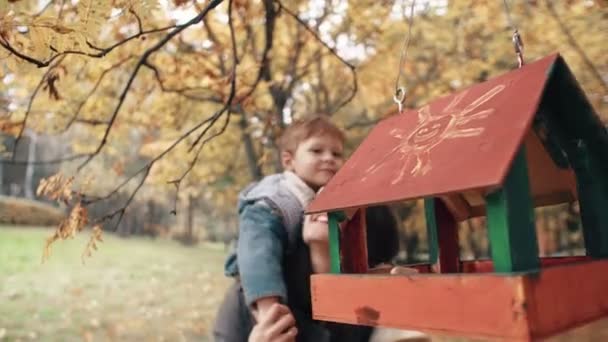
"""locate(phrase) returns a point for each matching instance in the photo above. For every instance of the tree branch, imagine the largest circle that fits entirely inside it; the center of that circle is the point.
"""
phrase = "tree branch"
(146, 169)
(264, 71)
(576, 47)
(235, 62)
(181, 91)
(102, 52)
(5, 44)
(142, 61)
(91, 92)
(333, 52)
(29, 106)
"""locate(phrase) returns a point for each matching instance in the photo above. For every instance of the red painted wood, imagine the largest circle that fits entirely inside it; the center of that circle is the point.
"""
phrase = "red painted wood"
(447, 233)
(517, 307)
(353, 246)
(567, 296)
(431, 151)
(485, 266)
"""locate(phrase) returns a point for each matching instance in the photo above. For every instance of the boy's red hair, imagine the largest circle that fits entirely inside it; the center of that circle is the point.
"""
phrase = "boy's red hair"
(303, 129)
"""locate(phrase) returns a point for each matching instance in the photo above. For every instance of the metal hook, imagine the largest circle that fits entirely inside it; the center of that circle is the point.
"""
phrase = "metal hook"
(518, 44)
(399, 98)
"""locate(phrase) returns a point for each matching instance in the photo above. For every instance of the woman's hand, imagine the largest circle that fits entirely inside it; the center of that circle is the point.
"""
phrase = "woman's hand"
(274, 325)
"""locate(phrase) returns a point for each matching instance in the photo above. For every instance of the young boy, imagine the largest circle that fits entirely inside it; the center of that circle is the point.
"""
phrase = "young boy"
(270, 225)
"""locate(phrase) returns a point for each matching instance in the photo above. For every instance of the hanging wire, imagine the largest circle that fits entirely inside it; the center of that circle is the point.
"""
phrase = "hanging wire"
(399, 95)
(518, 43)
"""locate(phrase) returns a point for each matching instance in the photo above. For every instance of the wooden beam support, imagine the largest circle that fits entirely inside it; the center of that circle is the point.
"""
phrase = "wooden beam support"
(593, 200)
(334, 219)
(353, 242)
(443, 236)
(458, 206)
(511, 226)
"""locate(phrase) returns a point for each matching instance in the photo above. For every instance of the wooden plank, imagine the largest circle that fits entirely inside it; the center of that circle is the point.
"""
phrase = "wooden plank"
(447, 234)
(593, 201)
(567, 296)
(334, 219)
(431, 229)
(511, 226)
(353, 244)
(517, 307)
(486, 306)
(458, 206)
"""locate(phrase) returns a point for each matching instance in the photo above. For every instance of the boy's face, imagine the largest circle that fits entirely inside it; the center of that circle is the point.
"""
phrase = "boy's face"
(315, 160)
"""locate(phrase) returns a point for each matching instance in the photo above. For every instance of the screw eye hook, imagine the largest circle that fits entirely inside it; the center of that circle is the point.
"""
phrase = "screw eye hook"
(399, 98)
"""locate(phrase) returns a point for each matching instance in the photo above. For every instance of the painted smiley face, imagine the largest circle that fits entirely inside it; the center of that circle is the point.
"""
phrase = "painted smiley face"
(430, 131)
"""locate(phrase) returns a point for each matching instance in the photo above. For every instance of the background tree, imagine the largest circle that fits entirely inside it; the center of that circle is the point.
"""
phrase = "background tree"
(188, 97)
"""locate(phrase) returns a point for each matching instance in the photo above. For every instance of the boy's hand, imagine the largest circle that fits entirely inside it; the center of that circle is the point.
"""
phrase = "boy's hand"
(276, 324)
(315, 228)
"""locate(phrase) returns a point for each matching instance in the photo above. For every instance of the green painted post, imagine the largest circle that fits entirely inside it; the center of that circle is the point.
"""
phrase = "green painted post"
(593, 200)
(431, 229)
(334, 240)
(511, 226)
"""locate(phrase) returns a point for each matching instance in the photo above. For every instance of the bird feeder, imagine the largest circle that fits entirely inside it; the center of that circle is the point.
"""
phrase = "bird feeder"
(525, 139)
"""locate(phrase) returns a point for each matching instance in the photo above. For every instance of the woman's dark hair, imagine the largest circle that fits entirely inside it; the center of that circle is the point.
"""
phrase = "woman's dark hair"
(382, 235)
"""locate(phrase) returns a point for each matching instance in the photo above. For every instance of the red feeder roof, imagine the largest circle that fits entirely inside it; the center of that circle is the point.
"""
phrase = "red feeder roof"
(456, 143)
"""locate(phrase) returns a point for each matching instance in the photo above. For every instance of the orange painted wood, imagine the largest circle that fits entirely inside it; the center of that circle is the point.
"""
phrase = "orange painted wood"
(516, 307)
(353, 245)
(447, 236)
(466, 305)
(429, 152)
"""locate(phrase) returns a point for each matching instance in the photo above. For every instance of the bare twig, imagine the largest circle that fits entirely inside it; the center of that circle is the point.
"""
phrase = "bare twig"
(121, 211)
(332, 50)
(232, 93)
(143, 61)
(4, 43)
(91, 92)
(181, 91)
(102, 52)
(235, 62)
(139, 24)
(29, 106)
(264, 71)
(216, 42)
(572, 41)
(362, 123)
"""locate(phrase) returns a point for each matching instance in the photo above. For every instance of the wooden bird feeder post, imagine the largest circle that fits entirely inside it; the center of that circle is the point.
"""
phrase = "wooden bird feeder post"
(498, 149)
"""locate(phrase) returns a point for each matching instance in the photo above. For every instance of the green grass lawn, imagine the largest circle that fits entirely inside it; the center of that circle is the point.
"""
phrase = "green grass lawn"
(132, 289)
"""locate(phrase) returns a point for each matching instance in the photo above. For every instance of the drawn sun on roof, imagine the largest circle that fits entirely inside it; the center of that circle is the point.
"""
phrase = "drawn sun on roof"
(432, 130)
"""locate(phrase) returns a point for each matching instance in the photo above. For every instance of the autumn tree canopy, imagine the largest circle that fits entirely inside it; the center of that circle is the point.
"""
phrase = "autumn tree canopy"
(185, 98)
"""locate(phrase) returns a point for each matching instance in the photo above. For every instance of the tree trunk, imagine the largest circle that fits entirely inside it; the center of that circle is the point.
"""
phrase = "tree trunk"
(1, 179)
(29, 170)
(189, 220)
(252, 160)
